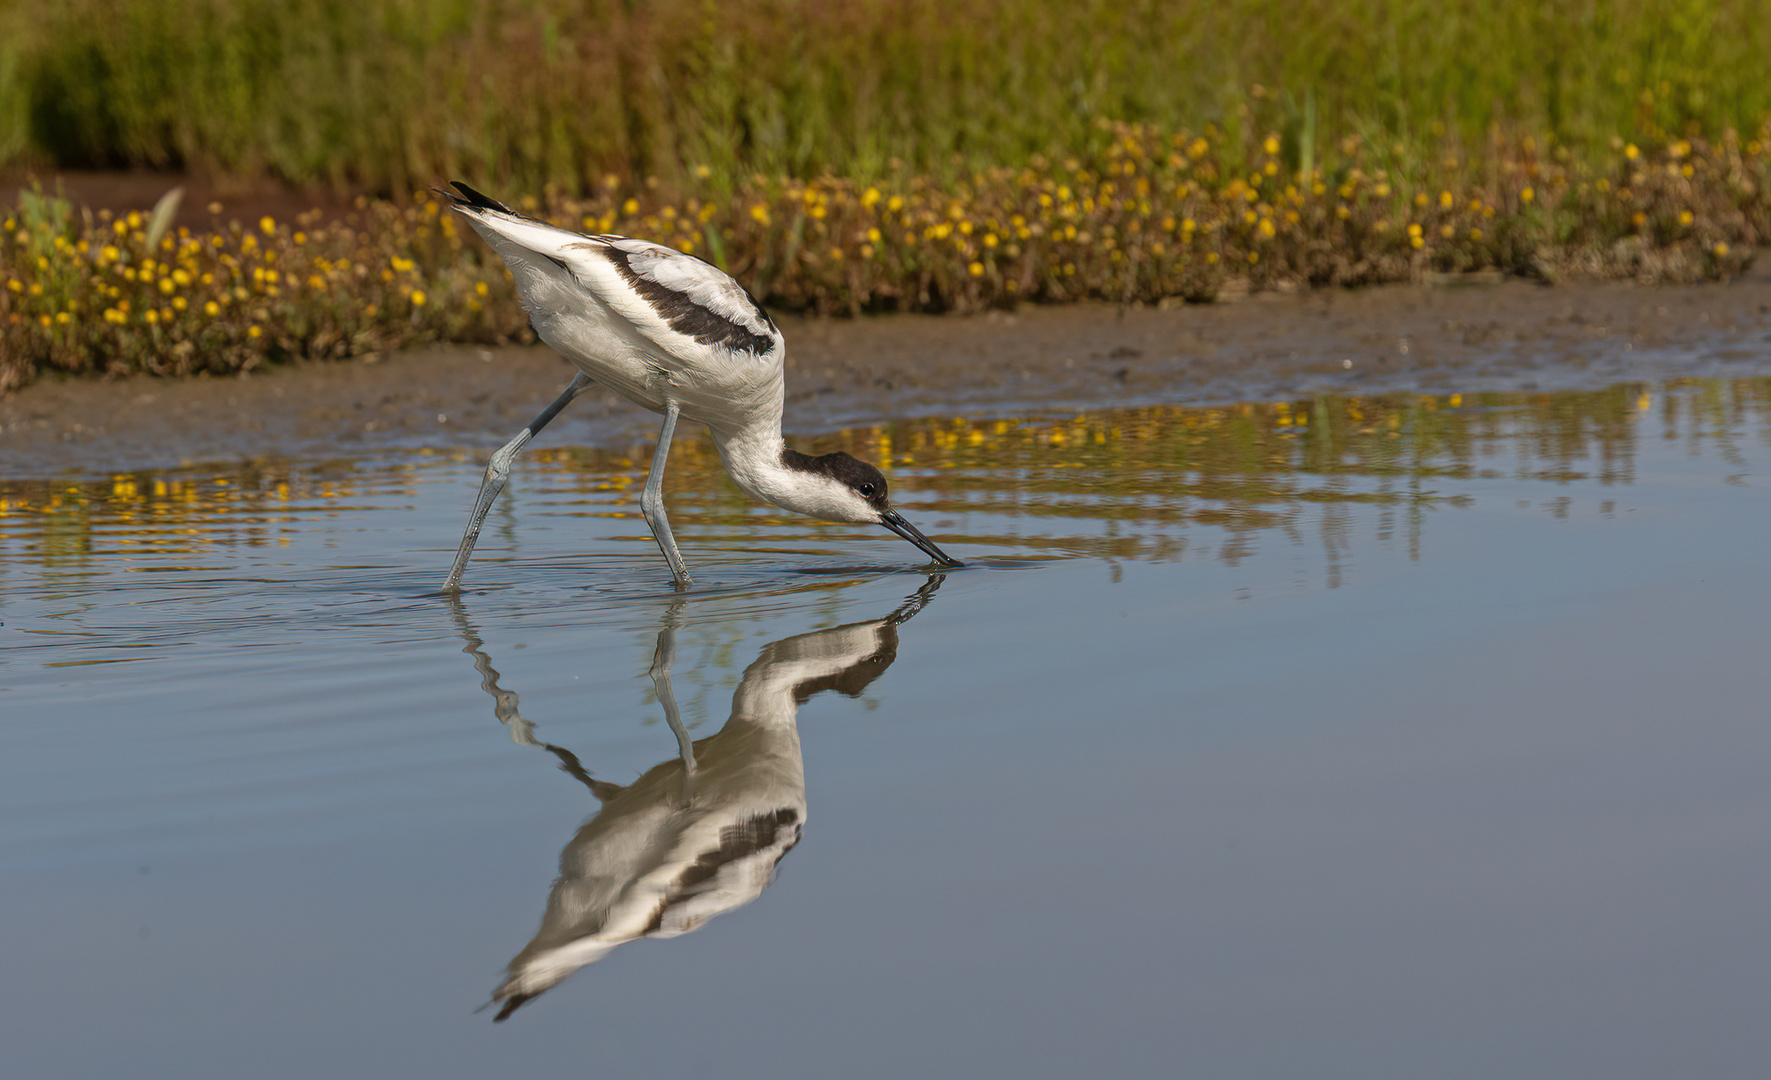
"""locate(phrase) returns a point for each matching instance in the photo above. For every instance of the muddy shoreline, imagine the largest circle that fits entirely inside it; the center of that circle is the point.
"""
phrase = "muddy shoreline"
(1507, 335)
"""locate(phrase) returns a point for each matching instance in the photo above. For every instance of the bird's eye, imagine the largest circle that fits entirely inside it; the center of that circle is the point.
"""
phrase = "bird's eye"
(867, 490)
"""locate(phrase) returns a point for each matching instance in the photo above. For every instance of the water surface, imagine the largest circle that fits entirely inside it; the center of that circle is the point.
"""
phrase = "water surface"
(1389, 736)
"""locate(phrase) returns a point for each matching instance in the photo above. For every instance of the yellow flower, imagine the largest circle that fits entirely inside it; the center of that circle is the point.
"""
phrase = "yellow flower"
(1684, 217)
(1445, 200)
(212, 309)
(417, 297)
(1720, 250)
(267, 225)
(976, 269)
(479, 288)
(253, 331)
(1271, 146)
(1631, 152)
(630, 207)
(1527, 195)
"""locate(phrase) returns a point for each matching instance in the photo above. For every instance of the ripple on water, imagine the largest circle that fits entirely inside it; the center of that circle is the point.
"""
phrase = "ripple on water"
(1338, 692)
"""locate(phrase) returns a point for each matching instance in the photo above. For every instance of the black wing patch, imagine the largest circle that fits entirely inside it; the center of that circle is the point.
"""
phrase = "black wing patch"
(694, 320)
(736, 842)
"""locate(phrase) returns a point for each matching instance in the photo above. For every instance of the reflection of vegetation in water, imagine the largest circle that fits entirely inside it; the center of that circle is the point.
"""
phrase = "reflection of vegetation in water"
(1130, 483)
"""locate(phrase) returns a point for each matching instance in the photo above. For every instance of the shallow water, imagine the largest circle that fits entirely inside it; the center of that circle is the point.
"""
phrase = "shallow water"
(1395, 736)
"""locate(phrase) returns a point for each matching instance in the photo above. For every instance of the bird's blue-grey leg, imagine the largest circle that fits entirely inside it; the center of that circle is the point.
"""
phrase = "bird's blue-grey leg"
(661, 661)
(498, 471)
(652, 499)
(504, 707)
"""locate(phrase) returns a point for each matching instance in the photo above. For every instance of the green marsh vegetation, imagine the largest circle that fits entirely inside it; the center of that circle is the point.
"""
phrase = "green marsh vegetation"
(386, 96)
(860, 156)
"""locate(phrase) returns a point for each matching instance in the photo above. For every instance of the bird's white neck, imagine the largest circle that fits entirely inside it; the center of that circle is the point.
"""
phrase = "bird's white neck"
(753, 457)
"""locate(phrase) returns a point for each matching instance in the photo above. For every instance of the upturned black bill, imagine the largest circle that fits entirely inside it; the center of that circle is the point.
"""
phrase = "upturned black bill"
(893, 521)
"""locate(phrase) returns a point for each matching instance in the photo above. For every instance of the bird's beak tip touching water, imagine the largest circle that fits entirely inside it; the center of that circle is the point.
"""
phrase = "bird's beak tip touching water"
(894, 521)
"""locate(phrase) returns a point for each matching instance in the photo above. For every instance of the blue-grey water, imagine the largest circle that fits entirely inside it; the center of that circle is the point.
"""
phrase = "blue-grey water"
(1337, 737)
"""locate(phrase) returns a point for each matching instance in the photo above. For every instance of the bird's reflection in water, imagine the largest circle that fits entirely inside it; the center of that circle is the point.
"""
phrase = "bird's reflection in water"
(700, 833)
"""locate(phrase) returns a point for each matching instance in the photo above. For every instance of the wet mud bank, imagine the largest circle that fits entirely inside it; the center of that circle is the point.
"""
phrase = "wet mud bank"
(1507, 335)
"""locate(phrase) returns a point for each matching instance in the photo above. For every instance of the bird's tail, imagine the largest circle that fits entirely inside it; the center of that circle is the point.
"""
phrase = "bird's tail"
(470, 197)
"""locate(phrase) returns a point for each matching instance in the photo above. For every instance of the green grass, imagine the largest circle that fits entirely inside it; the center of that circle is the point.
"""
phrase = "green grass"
(390, 95)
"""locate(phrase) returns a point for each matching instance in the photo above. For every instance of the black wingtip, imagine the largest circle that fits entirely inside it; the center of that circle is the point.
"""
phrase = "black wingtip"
(511, 1004)
(470, 197)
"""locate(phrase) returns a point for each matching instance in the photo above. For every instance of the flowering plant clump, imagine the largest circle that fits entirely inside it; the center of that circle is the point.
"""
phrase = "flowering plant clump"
(1147, 217)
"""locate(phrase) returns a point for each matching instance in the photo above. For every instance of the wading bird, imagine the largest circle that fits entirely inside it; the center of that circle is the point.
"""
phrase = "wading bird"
(698, 834)
(680, 337)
